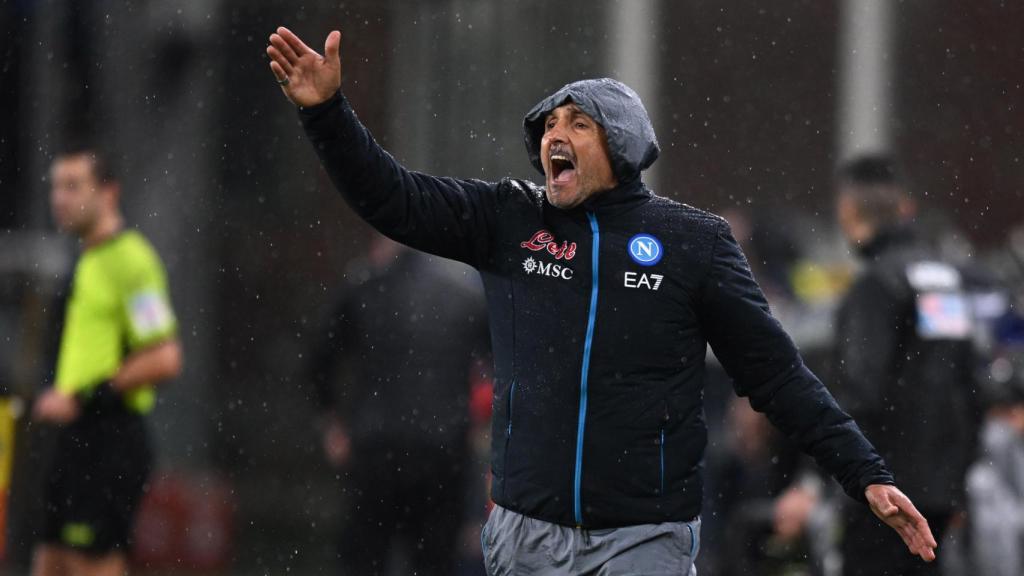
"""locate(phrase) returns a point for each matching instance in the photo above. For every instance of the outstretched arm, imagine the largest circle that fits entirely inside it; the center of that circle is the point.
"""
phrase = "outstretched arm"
(765, 365)
(444, 216)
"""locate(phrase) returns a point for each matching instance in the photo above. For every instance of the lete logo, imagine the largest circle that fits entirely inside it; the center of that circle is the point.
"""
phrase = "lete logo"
(543, 240)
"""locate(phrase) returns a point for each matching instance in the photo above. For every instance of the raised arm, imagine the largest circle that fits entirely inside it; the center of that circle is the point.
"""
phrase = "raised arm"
(444, 216)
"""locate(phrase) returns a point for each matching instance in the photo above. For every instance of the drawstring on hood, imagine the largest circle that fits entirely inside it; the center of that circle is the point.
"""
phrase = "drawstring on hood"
(632, 144)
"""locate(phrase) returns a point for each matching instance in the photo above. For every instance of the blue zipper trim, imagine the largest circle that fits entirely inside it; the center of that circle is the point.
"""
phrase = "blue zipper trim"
(588, 343)
(511, 394)
(662, 448)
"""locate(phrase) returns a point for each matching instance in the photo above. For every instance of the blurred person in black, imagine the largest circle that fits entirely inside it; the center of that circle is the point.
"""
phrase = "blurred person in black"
(404, 343)
(757, 465)
(905, 362)
(995, 482)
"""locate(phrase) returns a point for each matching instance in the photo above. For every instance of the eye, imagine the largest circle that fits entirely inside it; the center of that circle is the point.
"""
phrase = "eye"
(549, 125)
(581, 125)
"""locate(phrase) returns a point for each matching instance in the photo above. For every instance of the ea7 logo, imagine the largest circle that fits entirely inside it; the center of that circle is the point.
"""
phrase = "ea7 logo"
(641, 280)
(532, 266)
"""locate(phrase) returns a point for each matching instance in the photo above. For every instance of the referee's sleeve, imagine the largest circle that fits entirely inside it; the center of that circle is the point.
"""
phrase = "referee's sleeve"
(149, 317)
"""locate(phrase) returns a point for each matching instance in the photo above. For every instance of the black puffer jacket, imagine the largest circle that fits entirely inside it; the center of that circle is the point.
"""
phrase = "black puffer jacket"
(600, 319)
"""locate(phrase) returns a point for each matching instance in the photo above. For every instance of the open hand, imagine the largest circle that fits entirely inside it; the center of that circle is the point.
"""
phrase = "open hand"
(895, 509)
(306, 77)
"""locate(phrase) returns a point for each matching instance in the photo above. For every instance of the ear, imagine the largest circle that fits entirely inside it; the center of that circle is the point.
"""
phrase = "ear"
(112, 192)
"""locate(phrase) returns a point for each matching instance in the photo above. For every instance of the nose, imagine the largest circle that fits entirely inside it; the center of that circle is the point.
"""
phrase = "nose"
(556, 133)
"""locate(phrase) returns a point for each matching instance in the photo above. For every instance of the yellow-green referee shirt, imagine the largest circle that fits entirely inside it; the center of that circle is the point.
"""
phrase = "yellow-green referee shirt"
(119, 304)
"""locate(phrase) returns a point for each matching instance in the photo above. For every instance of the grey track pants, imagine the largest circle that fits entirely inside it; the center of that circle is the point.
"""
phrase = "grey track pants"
(516, 545)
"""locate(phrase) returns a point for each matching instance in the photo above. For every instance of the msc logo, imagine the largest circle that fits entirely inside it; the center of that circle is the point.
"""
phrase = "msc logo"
(641, 280)
(532, 266)
(645, 249)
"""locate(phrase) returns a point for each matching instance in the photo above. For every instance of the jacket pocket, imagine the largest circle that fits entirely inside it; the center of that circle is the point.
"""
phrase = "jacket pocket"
(634, 461)
(509, 407)
(661, 450)
(509, 411)
(661, 472)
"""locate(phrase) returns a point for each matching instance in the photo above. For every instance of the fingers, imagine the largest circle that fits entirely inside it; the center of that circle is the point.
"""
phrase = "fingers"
(278, 71)
(284, 48)
(922, 528)
(297, 45)
(280, 60)
(916, 518)
(882, 504)
(916, 535)
(332, 46)
(911, 539)
(896, 510)
(928, 554)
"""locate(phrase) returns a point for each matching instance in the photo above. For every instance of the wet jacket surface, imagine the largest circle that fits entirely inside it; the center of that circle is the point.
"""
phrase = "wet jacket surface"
(600, 318)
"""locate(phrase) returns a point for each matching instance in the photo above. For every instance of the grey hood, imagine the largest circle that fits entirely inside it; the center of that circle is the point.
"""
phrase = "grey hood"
(631, 141)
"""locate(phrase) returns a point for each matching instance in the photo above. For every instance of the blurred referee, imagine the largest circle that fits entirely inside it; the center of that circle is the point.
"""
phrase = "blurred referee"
(118, 340)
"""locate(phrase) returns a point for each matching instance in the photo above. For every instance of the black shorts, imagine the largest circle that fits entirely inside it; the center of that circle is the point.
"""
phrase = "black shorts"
(95, 482)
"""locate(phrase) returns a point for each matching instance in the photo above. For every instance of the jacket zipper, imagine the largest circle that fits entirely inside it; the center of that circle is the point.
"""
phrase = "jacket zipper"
(508, 429)
(661, 445)
(587, 345)
(661, 448)
(511, 395)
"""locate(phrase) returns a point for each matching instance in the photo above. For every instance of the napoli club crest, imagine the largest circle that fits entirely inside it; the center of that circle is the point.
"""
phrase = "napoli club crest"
(645, 249)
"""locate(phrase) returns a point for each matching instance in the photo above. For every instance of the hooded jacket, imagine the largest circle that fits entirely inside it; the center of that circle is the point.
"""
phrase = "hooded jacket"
(600, 319)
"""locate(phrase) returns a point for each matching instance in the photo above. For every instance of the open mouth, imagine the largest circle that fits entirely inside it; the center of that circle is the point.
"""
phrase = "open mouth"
(563, 167)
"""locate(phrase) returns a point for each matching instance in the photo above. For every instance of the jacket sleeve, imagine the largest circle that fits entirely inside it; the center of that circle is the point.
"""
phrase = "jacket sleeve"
(765, 366)
(443, 216)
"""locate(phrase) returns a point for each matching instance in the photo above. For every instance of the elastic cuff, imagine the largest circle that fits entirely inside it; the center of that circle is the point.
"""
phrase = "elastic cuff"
(885, 479)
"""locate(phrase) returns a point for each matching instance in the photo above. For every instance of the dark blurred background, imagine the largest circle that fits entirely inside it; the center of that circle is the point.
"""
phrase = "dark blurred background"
(754, 103)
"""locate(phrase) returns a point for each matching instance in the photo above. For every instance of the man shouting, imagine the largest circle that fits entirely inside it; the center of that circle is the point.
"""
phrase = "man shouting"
(603, 298)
